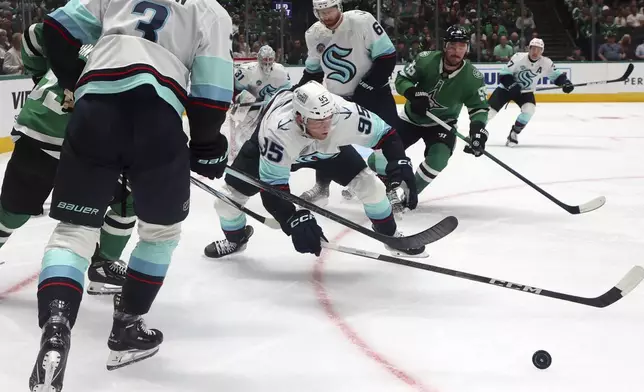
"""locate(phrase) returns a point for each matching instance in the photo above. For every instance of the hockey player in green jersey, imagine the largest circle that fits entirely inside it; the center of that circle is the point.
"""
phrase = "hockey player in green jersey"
(441, 82)
(38, 134)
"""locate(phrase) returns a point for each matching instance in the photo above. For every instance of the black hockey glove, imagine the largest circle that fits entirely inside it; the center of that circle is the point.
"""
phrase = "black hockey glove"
(567, 86)
(364, 92)
(478, 137)
(209, 160)
(418, 100)
(401, 173)
(305, 232)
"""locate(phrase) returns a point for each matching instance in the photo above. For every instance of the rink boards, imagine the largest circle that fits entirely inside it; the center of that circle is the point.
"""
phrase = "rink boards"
(14, 91)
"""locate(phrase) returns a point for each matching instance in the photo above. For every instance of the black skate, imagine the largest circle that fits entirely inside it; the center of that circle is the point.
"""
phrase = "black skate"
(130, 341)
(513, 137)
(224, 247)
(49, 370)
(105, 276)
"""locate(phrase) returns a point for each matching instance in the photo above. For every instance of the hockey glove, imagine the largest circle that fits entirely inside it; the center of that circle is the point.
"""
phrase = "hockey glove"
(567, 87)
(418, 100)
(209, 160)
(401, 174)
(478, 137)
(364, 92)
(305, 232)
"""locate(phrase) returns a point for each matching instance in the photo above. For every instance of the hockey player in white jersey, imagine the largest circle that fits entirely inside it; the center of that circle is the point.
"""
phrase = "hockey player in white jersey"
(127, 118)
(356, 58)
(254, 82)
(519, 81)
(306, 128)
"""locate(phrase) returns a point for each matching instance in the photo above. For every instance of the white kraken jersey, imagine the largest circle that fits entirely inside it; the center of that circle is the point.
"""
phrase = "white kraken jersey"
(527, 72)
(283, 143)
(346, 55)
(250, 77)
(164, 43)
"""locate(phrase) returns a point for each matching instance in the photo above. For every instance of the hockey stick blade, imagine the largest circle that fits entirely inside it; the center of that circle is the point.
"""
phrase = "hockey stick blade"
(629, 71)
(270, 222)
(627, 284)
(434, 233)
(580, 209)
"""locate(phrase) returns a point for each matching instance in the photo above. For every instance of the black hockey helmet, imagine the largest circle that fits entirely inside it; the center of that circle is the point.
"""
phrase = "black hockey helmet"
(456, 33)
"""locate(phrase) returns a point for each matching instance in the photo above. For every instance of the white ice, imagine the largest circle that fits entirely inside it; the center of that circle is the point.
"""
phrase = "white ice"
(271, 319)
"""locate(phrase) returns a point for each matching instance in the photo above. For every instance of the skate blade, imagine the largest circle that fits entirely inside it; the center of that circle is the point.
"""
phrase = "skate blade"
(119, 359)
(510, 144)
(50, 364)
(399, 253)
(103, 289)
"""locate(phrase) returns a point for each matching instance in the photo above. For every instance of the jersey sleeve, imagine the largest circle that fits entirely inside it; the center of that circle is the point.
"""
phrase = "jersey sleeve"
(506, 75)
(313, 63)
(282, 79)
(553, 73)
(80, 20)
(361, 126)
(32, 51)
(241, 79)
(476, 98)
(409, 76)
(211, 80)
(376, 40)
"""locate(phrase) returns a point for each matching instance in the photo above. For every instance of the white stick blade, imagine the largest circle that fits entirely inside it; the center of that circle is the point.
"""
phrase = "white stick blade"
(632, 279)
(592, 205)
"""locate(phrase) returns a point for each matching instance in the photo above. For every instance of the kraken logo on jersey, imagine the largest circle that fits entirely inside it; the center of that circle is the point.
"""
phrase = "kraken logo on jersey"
(334, 58)
(525, 78)
(266, 91)
(315, 156)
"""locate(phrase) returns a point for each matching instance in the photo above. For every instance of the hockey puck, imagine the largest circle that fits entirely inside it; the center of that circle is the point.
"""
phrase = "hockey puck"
(541, 359)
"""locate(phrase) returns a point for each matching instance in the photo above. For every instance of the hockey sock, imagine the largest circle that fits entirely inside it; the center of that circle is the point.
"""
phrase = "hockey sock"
(434, 163)
(231, 220)
(148, 266)
(10, 222)
(322, 179)
(377, 163)
(117, 230)
(521, 122)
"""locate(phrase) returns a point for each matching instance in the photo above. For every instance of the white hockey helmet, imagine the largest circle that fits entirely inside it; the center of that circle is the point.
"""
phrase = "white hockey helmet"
(266, 59)
(313, 102)
(538, 42)
(324, 4)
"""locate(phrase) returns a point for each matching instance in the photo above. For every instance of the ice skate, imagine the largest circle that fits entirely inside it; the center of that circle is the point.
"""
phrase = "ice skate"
(105, 276)
(396, 197)
(49, 369)
(318, 195)
(221, 248)
(513, 138)
(130, 340)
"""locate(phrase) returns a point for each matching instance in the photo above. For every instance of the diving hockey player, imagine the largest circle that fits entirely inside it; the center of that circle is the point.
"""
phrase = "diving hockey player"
(254, 82)
(441, 82)
(305, 128)
(519, 81)
(130, 97)
(357, 57)
(29, 177)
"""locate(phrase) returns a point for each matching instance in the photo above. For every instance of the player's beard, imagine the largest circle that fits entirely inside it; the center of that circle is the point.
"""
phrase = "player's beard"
(334, 24)
(453, 61)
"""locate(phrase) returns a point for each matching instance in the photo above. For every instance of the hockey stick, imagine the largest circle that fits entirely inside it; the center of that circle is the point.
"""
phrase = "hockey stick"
(631, 280)
(434, 233)
(580, 209)
(270, 222)
(628, 72)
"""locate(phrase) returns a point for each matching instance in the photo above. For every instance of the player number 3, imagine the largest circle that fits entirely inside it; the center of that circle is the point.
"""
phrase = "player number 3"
(157, 21)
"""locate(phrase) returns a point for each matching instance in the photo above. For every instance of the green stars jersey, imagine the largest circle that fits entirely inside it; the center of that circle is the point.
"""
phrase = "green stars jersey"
(42, 118)
(447, 92)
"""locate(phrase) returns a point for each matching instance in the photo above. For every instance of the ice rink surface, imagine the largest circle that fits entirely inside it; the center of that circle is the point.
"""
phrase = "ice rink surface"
(271, 319)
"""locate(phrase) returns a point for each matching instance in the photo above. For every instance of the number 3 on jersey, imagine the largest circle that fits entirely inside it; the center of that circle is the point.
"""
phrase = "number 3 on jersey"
(156, 22)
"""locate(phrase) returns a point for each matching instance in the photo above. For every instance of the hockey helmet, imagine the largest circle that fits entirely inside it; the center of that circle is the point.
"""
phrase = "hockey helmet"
(313, 101)
(538, 42)
(319, 5)
(266, 59)
(456, 33)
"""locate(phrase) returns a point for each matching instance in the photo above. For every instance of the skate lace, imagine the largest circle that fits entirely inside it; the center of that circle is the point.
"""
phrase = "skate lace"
(225, 246)
(311, 193)
(394, 200)
(118, 267)
(143, 328)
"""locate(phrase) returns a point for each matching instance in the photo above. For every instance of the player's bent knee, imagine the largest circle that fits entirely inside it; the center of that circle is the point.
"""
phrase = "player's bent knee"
(81, 240)
(367, 187)
(528, 108)
(150, 232)
(225, 209)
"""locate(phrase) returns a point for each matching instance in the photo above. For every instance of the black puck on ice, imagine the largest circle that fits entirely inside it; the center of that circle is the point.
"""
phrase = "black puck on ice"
(541, 359)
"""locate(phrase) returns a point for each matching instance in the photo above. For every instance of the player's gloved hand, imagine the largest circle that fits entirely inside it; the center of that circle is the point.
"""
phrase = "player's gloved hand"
(401, 174)
(305, 232)
(209, 160)
(418, 100)
(68, 101)
(514, 90)
(478, 137)
(567, 87)
(364, 92)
